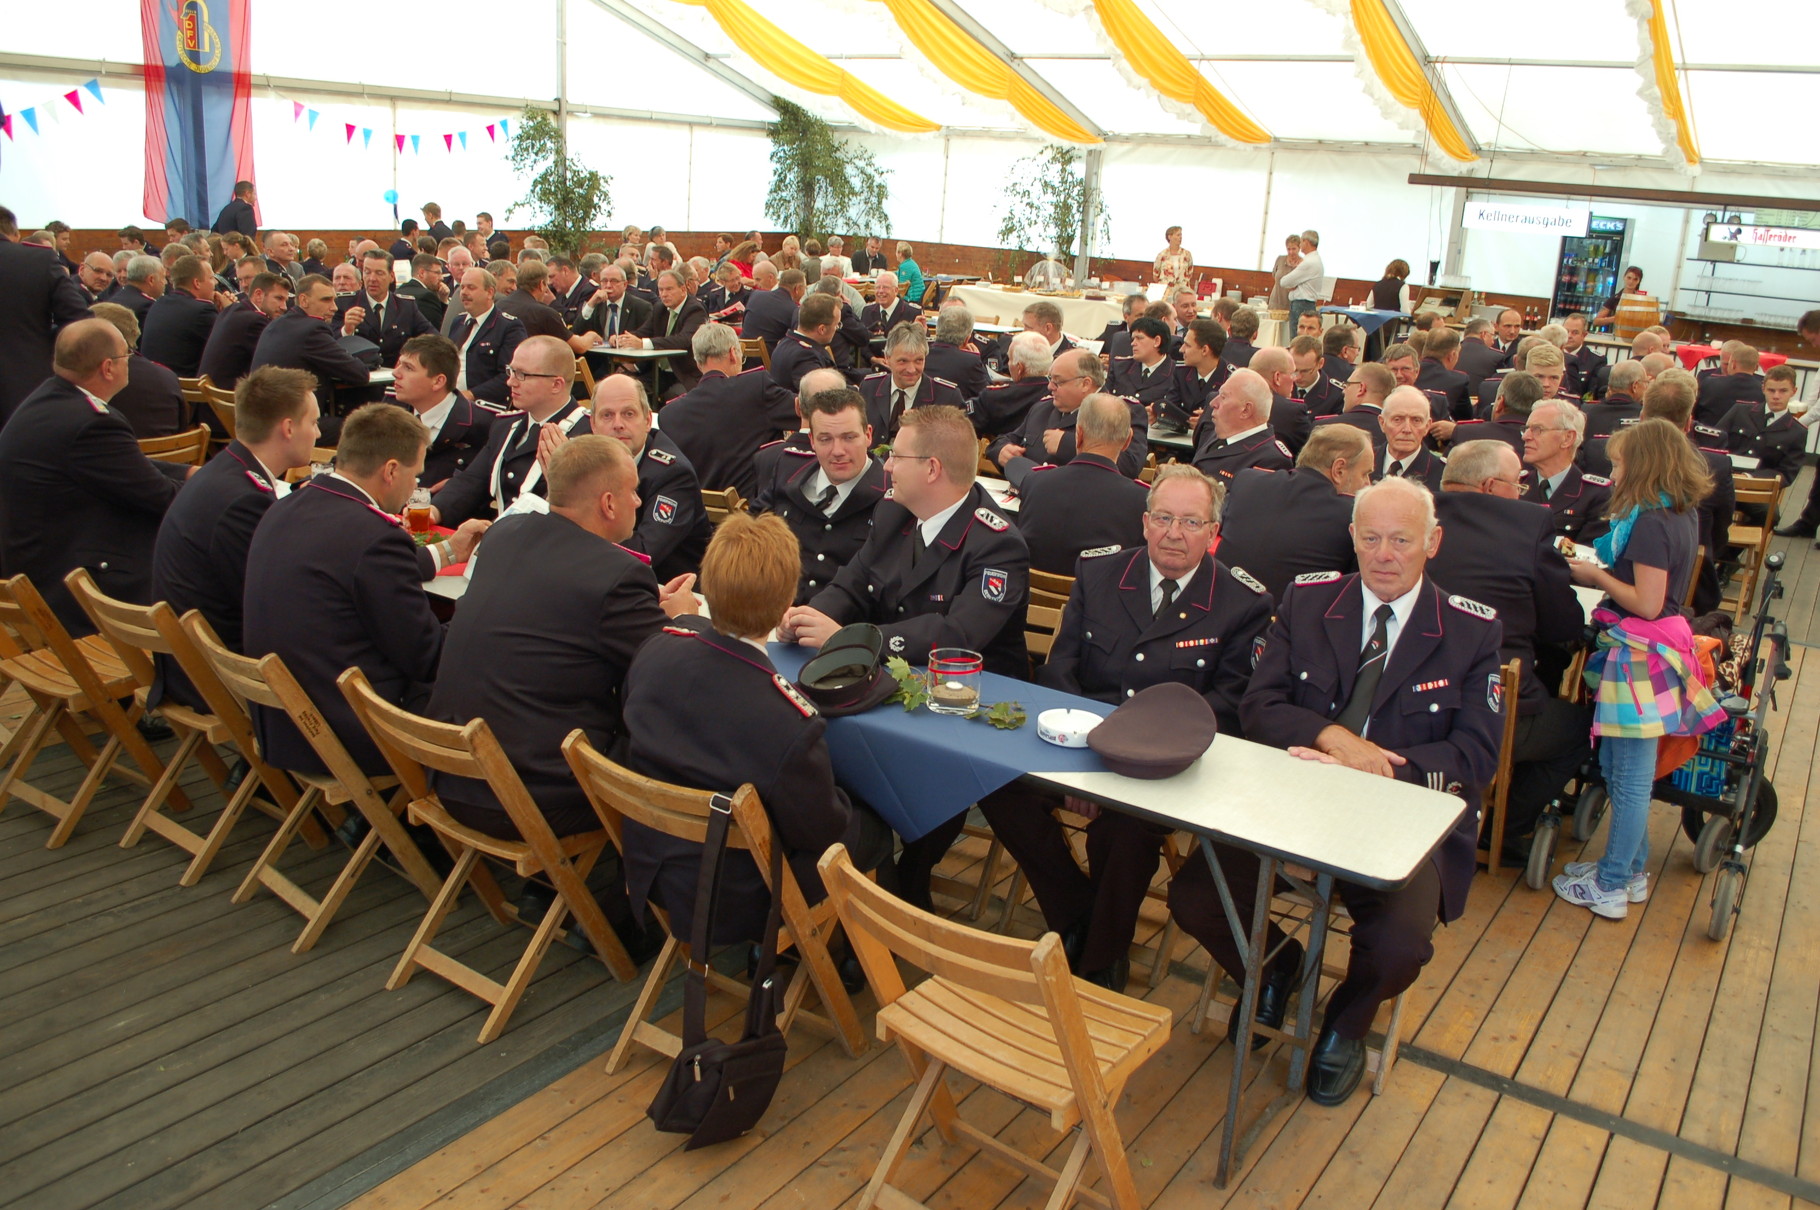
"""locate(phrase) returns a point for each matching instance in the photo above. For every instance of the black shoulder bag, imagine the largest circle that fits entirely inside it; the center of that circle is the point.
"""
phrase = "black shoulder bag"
(718, 1090)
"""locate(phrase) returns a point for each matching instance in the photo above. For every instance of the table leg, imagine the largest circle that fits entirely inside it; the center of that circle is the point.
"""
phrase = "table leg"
(1311, 981)
(1253, 951)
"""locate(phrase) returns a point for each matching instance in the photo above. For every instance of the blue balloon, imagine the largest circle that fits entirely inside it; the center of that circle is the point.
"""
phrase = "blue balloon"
(391, 196)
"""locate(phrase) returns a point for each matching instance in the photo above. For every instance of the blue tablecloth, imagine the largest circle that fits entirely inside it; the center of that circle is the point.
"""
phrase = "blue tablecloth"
(918, 769)
(1368, 321)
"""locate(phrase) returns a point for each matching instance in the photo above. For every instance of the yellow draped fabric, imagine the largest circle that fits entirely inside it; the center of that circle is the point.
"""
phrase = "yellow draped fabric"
(970, 65)
(791, 61)
(1149, 53)
(1662, 57)
(1396, 66)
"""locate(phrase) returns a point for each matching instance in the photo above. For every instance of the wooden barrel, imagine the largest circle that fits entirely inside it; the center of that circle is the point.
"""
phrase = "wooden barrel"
(1635, 313)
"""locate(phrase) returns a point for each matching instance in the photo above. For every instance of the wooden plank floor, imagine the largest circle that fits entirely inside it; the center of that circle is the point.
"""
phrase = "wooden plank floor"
(1551, 1060)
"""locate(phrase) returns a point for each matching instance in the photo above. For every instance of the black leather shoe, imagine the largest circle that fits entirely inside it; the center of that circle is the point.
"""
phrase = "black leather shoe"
(1336, 1068)
(852, 974)
(1112, 978)
(1273, 998)
(1074, 940)
(533, 901)
(236, 775)
(1799, 529)
(154, 729)
(353, 830)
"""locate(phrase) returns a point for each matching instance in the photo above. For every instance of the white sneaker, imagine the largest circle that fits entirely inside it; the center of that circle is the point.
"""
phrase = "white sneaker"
(1584, 891)
(1636, 890)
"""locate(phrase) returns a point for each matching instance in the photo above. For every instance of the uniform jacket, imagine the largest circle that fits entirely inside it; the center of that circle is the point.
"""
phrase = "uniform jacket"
(1223, 459)
(879, 321)
(1426, 468)
(1779, 442)
(1364, 417)
(1582, 367)
(549, 624)
(1282, 524)
(1045, 416)
(332, 583)
(1721, 392)
(878, 390)
(228, 356)
(487, 358)
(1001, 409)
(1509, 431)
(1327, 397)
(962, 367)
(1086, 505)
(403, 320)
(75, 491)
(970, 589)
(1238, 353)
(828, 542)
(1203, 640)
(431, 304)
(1433, 376)
(539, 319)
(175, 331)
(462, 437)
(1604, 419)
(152, 399)
(1439, 703)
(135, 300)
(1501, 552)
(673, 526)
(237, 215)
(795, 355)
(492, 479)
(774, 459)
(633, 311)
(37, 297)
(769, 314)
(1478, 361)
(1188, 392)
(1577, 507)
(754, 727)
(1126, 378)
(722, 423)
(302, 342)
(199, 561)
(689, 317)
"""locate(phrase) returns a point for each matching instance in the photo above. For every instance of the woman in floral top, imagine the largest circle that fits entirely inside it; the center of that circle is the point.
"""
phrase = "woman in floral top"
(1175, 263)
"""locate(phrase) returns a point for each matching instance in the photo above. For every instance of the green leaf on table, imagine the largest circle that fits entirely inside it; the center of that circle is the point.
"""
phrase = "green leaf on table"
(912, 684)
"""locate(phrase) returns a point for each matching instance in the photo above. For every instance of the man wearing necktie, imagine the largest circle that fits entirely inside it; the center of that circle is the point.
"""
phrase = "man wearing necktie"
(1403, 424)
(671, 325)
(610, 311)
(486, 337)
(1386, 673)
(379, 314)
(511, 461)
(1552, 436)
(902, 384)
(827, 498)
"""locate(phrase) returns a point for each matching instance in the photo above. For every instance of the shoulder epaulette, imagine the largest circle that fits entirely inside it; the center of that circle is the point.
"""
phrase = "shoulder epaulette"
(991, 520)
(753, 370)
(876, 374)
(803, 705)
(797, 449)
(1475, 608)
(1244, 577)
(1596, 480)
(942, 381)
(508, 314)
(1097, 551)
(495, 408)
(1284, 449)
(1707, 449)
(1317, 577)
(663, 456)
(681, 632)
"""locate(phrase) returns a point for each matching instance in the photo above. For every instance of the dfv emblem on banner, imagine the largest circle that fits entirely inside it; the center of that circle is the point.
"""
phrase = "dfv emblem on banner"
(198, 45)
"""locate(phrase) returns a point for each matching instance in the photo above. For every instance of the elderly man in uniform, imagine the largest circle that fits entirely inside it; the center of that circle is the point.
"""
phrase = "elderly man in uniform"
(1087, 505)
(670, 325)
(887, 310)
(1167, 600)
(1240, 435)
(1403, 423)
(729, 415)
(1149, 372)
(826, 493)
(487, 338)
(1045, 319)
(1289, 417)
(609, 311)
(1278, 525)
(902, 384)
(1001, 409)
(1552, 437)
(673, 527)
(1521, 392)
(953, 355)
(1047, 436)
(942, 568)
(1628, 380)
(1384, 672)
(511, 462)
(1500, 551)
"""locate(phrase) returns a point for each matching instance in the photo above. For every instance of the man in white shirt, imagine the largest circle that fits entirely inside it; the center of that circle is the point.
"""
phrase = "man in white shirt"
(1304, 281)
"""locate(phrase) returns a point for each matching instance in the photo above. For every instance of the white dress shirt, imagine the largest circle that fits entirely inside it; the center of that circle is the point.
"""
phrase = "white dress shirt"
(932, 528)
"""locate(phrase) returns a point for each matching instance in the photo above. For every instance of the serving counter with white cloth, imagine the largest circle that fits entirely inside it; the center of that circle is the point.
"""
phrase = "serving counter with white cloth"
(1081, 317)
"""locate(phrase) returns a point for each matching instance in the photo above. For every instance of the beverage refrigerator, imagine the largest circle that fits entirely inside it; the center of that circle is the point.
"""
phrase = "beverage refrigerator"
(1591, 267)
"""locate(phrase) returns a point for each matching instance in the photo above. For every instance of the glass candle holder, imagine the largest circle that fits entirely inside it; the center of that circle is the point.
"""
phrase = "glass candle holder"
(954, 680)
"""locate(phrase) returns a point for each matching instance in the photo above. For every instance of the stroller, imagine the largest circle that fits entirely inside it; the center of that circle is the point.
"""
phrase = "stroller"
(1727, 803)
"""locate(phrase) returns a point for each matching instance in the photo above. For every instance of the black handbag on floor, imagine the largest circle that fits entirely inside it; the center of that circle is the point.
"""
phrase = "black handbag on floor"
(718, 1090)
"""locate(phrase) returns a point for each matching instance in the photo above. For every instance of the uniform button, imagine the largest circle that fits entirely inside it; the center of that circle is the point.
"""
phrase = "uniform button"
(1130, 692)
(870, 588)
(821, 558)
(900, 609)
(511, 474)
(1200, 663)
(826, 528)
(1304, 676)
(1140, 657)
(1434, 707)
(102, 567)
(1090, 634)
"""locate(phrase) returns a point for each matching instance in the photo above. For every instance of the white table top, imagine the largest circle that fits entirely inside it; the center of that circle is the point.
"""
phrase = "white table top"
(1081, 317)
(381, 377)
(635, 354)
(449, 588)
(1002, 493)
(1744, 462)
(1356, 826)
(1589, 599)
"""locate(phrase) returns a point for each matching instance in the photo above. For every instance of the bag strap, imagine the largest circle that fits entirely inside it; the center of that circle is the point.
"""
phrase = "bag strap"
(761, 1003)
(760, 1015)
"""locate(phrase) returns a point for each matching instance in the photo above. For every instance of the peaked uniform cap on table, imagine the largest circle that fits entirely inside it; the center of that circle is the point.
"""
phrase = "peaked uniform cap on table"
(1156, 733)
(848, 676)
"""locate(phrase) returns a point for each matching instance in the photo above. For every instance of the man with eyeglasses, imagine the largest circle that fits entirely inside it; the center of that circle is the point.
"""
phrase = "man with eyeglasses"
(1389, 673)
(1501, 551)
(1047, 437)
(942, 568)
(1165, 612)
(1576, 500)
(1403, 423)
(511, 462)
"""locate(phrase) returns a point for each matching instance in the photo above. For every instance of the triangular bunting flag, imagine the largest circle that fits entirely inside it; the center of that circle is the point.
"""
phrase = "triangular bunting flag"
(399, 140)
(6, 124)
(505, 126)
(31, 118)
(415, 149)
(314, 114)
(94, 86)
(366, 136)
(463, 136)
(448, 142)
(491, 128)
(74, 97)
(296, 110)
(350, 127)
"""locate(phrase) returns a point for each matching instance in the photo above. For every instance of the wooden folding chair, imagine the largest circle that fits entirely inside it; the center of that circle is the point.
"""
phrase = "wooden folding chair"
(618, 794)
(195, 397)
(67, 680)
(235, 683)
(413, 746)
(221, 402)
(138, 634)
(1497, 794)
(1050, 588)
(318, 455)
(1008, 1014)
(987, 466)
(584, 374)
(754, 348)
(1765, 494)
(186, 449)
(1040, 626)
(1147, 475)
(722, 503)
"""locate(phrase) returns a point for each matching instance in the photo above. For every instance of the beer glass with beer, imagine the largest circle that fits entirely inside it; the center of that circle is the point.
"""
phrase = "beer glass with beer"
(417, 512)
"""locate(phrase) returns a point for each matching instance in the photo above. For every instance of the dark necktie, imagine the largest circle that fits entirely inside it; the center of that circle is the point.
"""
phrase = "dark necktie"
(1547, 489)
(1396, 469)
(379, 315)
(897, 407)
(1371, 671)
(919, 548)
(1299, 393)
(823, 501)
(612, 319)
(1168, 588)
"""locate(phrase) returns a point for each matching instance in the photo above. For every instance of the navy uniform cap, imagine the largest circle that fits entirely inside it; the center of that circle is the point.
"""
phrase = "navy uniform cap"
(1156, 732)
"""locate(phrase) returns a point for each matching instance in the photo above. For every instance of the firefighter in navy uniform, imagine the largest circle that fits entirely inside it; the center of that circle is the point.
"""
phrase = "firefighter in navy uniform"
(1088, 504)
(1149, 373)
(1240, 435)
(1163, 612)
(903, 385)
(827, 498)
(942, 568)
(673, 526)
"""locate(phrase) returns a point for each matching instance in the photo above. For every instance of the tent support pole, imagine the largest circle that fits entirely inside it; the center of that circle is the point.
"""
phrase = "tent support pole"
(1090, 213)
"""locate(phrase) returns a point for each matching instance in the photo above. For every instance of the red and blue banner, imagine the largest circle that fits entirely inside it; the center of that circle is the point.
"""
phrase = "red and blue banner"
(198, 112)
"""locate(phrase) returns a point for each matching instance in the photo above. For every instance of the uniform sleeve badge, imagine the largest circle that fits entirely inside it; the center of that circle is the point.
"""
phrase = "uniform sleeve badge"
(664, 509)
(803, 705)
(993, 584)
(1244, 577)
(991, 520)
(1494, 692)
(1257, 650)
